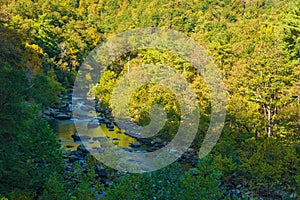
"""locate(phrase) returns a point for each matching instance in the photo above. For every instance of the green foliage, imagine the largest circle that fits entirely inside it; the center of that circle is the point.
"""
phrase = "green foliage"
(150, 95)
(269, 165)
(55, 188)
(85, 184)
(83, 190)
(31, 152)
(227, 166)
(13, 89)
(254, 43)
(105, 87)
(203, 182)
(291, 28)
(21, 194)
(29, 149)
(297, 178)
(45, 91)
(171, 183)
(10, 45)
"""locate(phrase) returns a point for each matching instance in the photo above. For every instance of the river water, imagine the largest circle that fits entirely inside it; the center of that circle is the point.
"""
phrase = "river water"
(66, 128)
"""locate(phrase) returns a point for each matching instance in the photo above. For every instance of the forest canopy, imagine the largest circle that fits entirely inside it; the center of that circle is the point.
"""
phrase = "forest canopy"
(254, 43)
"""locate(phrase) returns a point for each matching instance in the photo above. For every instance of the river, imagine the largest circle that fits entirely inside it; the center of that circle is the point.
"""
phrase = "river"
(66, 128)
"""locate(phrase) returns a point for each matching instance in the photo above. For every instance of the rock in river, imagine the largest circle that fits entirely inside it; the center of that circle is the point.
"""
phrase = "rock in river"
(92, 124)
(135, 144)
(77, 137)
(62, 116)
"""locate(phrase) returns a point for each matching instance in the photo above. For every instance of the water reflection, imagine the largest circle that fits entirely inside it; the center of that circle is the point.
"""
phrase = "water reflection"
(66, 128)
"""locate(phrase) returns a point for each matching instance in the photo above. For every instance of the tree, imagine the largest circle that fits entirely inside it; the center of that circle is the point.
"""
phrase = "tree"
(171, 183)
(29, 149)
(270, 76)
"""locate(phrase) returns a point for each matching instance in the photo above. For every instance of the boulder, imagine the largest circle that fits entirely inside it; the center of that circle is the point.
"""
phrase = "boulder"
(85, 137)
(126, 149)
(293, 196)
(77, 154)
(63, 116)
(100, 171)
(82, 149)
(156, 141)
(92, 124)
(76, 137)
(47, 112)
(98, 149)
(101, 118)
(73, 158)
(281, 194)
(109, 125)
(65, 151)
(135, 144)
(115, 142)
(151, 149)
(98, 138)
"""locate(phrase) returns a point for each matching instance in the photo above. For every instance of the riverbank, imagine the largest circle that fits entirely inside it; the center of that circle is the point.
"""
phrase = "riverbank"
(103, 121)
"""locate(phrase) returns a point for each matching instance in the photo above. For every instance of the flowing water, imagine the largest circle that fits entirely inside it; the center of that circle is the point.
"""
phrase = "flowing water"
(66, 128)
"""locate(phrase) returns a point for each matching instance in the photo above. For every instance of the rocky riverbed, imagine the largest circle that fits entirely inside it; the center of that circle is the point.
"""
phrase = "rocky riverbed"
(104, 122)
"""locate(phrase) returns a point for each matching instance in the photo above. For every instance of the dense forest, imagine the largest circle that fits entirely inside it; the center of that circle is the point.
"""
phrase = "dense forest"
(254, 43)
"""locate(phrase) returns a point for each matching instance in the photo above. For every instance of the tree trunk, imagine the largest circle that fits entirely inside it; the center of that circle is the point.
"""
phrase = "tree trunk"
(128, 69)
(270, 122)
